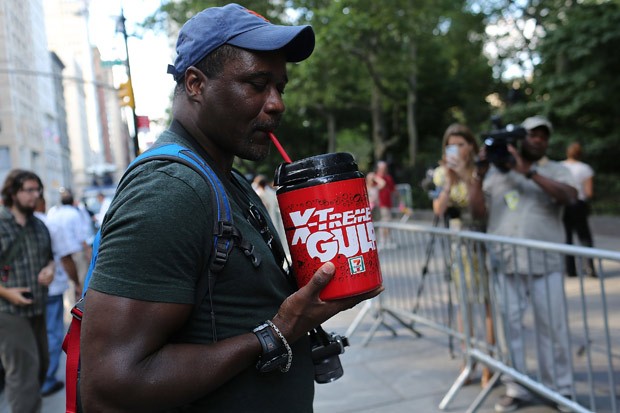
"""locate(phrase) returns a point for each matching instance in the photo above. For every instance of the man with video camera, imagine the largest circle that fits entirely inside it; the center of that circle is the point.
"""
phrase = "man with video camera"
(522, 193)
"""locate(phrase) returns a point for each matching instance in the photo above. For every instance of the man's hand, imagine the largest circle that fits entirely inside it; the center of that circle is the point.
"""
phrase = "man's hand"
(15, 296)
(456, 169)
(78, 291)
(46, 275)
(304, 310)
(520, 165)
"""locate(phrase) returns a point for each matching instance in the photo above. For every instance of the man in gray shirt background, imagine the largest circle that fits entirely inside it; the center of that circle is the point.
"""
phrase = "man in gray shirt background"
(524, 198)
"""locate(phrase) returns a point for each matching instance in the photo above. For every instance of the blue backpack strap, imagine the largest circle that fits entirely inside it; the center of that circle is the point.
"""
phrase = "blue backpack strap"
(224, 234)
(223, 230)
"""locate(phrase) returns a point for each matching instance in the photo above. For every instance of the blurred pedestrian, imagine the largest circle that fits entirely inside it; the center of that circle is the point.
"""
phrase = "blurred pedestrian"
(267, 194)
(104, 205)
(453, 178)
(576, 214)
(65, 227)
(373, 185)
(526, 201)
(26, 269)
(387, 187)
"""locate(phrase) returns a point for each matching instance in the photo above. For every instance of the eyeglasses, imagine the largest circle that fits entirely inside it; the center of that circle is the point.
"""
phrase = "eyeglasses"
(32, 190)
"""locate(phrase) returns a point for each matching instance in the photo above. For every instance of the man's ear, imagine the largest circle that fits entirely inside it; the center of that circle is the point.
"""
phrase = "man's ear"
(194, 82)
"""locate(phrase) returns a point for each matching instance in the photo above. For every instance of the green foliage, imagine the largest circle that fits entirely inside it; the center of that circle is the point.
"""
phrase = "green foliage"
(387, 78)
(355, 141)
(607, 194)
(578, 78)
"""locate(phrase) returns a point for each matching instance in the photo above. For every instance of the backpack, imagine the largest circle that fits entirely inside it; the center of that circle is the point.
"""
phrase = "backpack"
(225, 236)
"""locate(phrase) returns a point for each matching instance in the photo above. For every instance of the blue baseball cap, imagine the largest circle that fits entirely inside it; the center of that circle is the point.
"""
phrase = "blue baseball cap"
(235, 25)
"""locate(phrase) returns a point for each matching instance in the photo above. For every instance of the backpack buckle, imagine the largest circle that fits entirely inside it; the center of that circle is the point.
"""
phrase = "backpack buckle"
(78, 309)
(225, 233)
(225, 229)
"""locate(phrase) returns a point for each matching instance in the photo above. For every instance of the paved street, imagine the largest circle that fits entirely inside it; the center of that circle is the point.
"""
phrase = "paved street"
(403, 373)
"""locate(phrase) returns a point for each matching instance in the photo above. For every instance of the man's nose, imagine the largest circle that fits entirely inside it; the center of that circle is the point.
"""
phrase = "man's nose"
(274, 103)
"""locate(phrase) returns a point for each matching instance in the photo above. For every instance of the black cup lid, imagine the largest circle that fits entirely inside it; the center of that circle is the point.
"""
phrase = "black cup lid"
(318, 166)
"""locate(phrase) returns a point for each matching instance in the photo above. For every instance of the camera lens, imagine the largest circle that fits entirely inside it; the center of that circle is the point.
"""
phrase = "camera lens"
(327, 370)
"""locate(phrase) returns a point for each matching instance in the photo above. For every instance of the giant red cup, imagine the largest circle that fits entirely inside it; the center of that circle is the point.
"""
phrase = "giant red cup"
(326, 214)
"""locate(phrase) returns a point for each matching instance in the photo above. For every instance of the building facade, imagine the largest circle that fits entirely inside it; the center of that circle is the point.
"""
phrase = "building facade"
(28, 114)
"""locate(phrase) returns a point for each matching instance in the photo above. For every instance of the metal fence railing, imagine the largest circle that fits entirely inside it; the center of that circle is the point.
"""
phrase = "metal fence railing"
(459, 283)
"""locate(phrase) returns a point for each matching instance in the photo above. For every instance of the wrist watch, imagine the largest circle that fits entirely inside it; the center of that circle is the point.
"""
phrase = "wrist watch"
(274, 354)
(530, 174)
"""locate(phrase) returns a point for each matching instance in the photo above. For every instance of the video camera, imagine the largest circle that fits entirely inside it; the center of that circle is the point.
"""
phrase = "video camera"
(497, 141)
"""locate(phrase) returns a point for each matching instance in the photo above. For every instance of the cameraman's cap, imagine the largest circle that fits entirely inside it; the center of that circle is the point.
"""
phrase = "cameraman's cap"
(237, 26)
(536, 122)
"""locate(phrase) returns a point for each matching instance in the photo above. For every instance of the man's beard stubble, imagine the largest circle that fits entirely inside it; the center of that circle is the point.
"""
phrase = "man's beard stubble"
(24, 209)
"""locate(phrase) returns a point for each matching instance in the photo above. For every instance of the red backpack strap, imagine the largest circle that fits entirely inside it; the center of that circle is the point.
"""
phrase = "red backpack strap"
(71, 346)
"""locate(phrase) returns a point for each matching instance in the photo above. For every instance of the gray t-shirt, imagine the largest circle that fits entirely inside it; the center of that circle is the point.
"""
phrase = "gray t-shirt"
(155, 240)
(519, 208)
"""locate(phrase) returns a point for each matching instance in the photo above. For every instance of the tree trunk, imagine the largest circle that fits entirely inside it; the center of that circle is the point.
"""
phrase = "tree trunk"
(378, 128)
(331, 133)
(412, 129)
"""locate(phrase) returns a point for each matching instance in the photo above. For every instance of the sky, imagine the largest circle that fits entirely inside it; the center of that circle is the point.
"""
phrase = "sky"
(149, 54)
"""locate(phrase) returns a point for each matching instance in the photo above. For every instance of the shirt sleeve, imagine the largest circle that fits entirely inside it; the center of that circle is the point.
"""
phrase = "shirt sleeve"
(156, 237)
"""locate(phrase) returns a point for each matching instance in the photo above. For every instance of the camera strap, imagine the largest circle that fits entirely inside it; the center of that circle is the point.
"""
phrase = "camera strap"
(256, 216)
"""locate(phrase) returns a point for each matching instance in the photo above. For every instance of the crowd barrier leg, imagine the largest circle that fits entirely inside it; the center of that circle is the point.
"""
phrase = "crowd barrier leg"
(378, 312)
(359, 317)
(484, 393)
(417, 295)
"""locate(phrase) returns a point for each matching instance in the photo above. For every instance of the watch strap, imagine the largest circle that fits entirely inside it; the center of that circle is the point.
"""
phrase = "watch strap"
(530, 174)
(275, 353)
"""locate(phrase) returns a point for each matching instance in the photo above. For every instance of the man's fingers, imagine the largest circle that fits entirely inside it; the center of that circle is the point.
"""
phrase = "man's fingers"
(322, 277)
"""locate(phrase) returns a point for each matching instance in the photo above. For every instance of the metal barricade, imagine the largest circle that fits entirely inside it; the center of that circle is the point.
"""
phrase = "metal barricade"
(424, 278)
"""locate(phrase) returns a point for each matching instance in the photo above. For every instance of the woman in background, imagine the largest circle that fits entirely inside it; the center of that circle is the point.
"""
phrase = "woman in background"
(576, 215)
(453, 178)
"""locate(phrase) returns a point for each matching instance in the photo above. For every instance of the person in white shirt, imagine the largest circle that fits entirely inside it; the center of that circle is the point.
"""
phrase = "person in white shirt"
(267, 194)
(66, 231)
(576, 215)
(104, 206)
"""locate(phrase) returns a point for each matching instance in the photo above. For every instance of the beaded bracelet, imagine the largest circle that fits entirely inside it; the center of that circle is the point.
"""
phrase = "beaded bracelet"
(289, 352)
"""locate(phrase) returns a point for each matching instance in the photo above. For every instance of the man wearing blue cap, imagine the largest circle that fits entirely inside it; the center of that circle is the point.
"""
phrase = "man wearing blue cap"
(245, 347)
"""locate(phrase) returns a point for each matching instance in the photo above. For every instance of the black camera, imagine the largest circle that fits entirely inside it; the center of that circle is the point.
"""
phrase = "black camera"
(325, 351)
(496, 143)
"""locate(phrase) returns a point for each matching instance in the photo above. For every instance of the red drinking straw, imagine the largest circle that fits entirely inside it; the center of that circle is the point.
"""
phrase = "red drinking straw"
(279, 148)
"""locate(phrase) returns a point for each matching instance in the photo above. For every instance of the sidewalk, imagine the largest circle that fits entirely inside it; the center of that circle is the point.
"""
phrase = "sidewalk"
(395, 374)
(404, 373)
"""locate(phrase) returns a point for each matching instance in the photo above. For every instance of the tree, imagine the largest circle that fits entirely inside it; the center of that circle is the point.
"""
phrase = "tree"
(391, 42)
(578, 77)
(392, 73)
(566, 53)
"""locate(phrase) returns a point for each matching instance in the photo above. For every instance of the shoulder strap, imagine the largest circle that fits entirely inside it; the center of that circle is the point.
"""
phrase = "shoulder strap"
(14, 248)
(223, 225)
(224, 232)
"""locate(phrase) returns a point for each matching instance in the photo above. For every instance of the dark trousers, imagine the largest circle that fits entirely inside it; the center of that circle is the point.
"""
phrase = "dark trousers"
(576, 220)
(24, 357)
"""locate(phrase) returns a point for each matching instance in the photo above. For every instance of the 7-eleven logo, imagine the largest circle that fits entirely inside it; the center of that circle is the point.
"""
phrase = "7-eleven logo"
(356, 265)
